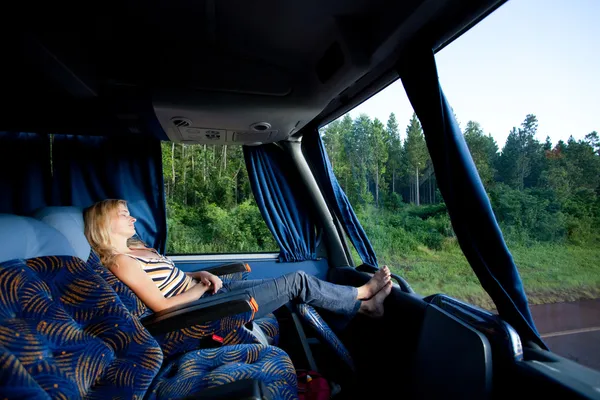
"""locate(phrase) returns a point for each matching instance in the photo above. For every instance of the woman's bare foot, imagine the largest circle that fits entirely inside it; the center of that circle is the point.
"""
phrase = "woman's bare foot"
(374, 307)
(375, 284)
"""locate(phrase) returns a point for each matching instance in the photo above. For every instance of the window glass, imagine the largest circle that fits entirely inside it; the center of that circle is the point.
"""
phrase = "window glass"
(524, 85)
(379, 156)
(210, 206)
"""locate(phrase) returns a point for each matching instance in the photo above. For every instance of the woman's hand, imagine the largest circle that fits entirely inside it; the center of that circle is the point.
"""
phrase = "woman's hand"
(210, 280)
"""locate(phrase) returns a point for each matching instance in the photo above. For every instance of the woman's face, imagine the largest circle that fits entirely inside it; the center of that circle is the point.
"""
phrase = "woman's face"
(122, 223)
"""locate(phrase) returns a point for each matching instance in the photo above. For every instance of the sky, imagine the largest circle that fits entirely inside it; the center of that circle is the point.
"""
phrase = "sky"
(537, 57)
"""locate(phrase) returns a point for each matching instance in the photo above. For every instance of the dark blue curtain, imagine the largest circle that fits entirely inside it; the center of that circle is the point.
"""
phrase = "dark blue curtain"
(470, 210)
(336, 198)
(88, 169)
(280, 202)
(26, 172)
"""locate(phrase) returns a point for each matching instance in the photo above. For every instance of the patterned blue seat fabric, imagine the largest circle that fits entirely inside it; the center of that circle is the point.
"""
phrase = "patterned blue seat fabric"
(310, 315)
(203, 369)
(270, 327)
(66, 334)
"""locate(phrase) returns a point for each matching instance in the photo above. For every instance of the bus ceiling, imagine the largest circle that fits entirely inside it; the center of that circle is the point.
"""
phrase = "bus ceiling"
(213, 72)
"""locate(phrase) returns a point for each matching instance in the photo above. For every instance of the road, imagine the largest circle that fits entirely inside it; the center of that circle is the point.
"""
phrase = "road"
(571, 330)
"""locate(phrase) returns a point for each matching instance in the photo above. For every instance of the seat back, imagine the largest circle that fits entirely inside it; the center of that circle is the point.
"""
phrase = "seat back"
(453, 359)
(312, 317)
(69, 221)
(64, 332)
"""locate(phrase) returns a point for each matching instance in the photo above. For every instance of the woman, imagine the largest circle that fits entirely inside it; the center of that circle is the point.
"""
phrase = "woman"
(160, 284)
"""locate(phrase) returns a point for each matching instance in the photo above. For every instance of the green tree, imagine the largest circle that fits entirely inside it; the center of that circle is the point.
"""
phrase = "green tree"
(556, 174)
(521, 161)
(534, 151)
(416, 154)
(584, 164)
(593, 140)
(547, 144)
(377, 157)
(394, 161)
(484, 151)
(336, 137)
(168, 168)
(359, 152)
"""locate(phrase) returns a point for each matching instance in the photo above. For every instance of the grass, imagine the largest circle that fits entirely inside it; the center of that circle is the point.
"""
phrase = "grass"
(550, 273)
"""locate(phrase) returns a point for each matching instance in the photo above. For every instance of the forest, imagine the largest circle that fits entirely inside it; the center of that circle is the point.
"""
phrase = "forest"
(546, 198)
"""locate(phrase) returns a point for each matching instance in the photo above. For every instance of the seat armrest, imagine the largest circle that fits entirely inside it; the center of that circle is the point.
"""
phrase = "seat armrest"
(199, 312)
(250, 389)
(229, 268)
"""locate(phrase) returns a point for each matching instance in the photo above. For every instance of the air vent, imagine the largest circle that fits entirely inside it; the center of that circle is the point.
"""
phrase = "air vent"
(181, 122)
(212, 135)
(260, 126)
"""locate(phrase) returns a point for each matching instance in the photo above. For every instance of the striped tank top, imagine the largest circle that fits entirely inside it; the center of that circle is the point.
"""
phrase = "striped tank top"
(169, 279)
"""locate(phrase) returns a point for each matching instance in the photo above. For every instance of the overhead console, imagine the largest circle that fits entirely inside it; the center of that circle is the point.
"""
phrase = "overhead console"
(229, 118)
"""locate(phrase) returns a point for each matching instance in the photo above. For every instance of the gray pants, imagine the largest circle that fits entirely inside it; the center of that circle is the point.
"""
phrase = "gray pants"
(270, 294)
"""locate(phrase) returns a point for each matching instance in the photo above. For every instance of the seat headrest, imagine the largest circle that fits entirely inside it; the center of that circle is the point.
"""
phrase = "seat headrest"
(25, 237)
(69, 222)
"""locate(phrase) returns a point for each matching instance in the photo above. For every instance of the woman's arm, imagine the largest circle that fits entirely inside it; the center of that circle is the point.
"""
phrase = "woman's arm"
(130, 273)
(207, 278)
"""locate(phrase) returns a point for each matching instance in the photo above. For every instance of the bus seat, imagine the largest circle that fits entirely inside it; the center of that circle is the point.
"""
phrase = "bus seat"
(268, 364)
(66, 334)
(312, 317)
(454, 360)
(69, 221)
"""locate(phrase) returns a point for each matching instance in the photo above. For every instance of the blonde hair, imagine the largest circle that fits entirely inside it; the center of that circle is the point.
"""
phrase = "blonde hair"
(97, 229)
